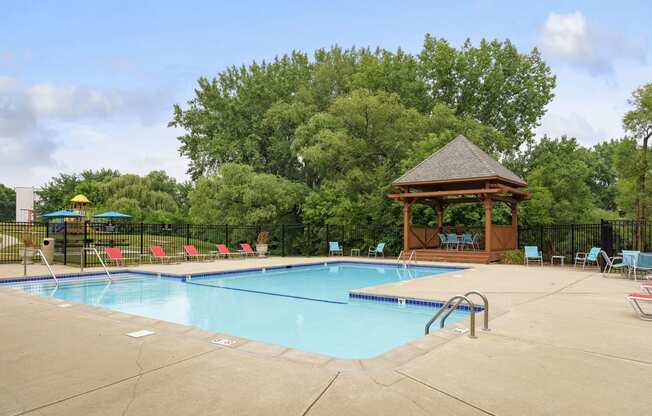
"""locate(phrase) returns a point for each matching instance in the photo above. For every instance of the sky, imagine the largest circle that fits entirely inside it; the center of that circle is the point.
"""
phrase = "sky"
(86, 85)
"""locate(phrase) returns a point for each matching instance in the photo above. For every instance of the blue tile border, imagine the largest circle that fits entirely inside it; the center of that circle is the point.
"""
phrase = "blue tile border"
(183, 277)
(408, 301)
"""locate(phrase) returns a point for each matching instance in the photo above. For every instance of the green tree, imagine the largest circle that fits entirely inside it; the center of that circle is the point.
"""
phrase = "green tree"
(237, 195)
(493, 83)
(559, 178)
(638, 123)
(152, 198)
(7, 203)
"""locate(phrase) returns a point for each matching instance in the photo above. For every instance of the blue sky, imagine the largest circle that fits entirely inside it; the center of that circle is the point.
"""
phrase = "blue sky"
(87, 85)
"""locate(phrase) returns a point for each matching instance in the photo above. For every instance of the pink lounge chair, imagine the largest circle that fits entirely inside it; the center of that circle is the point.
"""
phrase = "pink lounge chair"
(223, 250)
(114, 254)
(635, 299)
(192, 253)
(647, 287)
(247, 250)
(159, 254)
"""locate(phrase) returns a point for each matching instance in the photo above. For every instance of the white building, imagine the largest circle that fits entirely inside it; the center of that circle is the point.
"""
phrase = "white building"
(25, 199)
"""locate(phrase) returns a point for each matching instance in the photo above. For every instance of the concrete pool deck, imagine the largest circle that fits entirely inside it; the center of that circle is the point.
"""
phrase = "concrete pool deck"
(562, 341)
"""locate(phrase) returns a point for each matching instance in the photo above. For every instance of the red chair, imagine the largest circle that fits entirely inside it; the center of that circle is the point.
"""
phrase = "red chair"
(192, 253)
(114, 254)
(635, 299)
(247, 250)
(223, 250)
(159, 254)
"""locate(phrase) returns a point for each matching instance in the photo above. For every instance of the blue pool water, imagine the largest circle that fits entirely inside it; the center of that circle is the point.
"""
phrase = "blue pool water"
(300, 307)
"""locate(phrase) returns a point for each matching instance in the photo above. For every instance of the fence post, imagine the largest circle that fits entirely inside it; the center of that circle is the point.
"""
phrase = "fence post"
(83, 251)
(187, 233)
(142, 235)
(541, 237)
(328, 231)
(283, 240)
(573, 251)
(226, 234)
(65, 242)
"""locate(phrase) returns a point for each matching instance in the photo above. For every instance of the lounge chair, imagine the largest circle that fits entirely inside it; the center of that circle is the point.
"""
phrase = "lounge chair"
(635, 300)
(610, 263)
(532, 253)
(647, 287)
(334, 248)
(379, 250)
(223, 250)
(643, 263)
(114, 254)
(247, 250)
(590, 257)
(630, 258)
(193, 253)
(159, 254)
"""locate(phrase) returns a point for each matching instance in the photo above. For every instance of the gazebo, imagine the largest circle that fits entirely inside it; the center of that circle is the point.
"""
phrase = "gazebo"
(459, 173)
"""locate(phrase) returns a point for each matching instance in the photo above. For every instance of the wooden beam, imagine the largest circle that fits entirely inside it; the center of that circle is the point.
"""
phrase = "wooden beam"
(446, 193)
(513, 191)
(487, 224)
(406, 225)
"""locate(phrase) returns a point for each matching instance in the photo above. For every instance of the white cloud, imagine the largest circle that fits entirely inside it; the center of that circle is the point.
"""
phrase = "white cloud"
(570, 38)
(46, 129)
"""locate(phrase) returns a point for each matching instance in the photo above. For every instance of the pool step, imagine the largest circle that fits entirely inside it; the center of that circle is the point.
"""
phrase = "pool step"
(456, 256)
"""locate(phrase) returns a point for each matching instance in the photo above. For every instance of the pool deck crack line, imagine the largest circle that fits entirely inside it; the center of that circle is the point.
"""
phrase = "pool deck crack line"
(565, 347)
(74, 396)
(446, 393)
(330, 383)
(140, 377)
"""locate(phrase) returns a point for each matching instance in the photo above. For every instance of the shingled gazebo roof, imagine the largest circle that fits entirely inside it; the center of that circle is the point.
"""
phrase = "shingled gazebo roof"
(460, 160)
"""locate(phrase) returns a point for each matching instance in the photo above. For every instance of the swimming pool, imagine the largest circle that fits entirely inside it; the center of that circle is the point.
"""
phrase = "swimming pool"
(304, 307)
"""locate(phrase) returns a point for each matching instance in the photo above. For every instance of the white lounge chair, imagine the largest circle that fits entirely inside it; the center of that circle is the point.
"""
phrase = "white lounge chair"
(635, 299)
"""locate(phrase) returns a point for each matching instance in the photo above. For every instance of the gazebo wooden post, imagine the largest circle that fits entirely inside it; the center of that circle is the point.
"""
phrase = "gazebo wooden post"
(487, 223)
(407, 210)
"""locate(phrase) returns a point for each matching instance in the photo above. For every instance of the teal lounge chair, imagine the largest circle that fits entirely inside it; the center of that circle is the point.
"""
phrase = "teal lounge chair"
(610, 263)
(334, 248)
(643, 263)
(379, 250)
(590, 257)
(630, 258)
(533, 253)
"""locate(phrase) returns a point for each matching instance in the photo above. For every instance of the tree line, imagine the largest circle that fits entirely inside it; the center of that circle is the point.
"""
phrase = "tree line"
(318, 138)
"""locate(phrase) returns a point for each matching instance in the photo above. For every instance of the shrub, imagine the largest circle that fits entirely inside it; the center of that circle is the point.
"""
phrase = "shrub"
(511, 257)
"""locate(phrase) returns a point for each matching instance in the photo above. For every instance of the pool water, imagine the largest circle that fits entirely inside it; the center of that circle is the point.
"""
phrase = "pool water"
(304, 307)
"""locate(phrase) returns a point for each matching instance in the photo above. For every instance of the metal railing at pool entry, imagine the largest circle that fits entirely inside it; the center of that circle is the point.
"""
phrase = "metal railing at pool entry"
(406, 262)
(82, 260)
(42, 256)
(453, 306)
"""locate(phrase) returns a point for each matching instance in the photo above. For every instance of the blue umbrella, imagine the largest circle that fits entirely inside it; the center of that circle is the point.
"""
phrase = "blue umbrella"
(61, 214)
(112, 214)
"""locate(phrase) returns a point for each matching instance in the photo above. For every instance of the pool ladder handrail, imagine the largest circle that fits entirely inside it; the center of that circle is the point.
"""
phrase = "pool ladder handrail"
(412, 258)
(47, 264)
(459, 299)
(97, 254)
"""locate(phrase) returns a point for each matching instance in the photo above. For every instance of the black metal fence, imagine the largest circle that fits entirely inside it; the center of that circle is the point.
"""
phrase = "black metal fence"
(290, 239)
(567, 239)
(135, 239)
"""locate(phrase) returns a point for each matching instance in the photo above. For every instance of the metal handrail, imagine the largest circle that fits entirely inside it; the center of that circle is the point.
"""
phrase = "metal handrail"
(406, 262)
(40, 253)
(485, 326)
(94, 250)
(459, 299)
